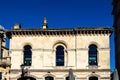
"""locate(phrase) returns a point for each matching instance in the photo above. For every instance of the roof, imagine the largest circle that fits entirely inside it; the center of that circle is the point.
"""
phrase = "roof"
(59, 31)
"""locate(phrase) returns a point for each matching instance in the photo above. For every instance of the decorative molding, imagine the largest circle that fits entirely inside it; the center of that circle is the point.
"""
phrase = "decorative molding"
(49, 50)
(64, 70)
(62, 32)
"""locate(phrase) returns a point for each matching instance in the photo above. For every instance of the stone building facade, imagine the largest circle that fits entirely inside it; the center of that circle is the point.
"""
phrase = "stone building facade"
(49, 54)
(4, 56)
(116, 25)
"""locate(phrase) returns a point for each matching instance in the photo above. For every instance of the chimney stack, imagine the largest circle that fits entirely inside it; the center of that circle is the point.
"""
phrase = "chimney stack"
(44, 25)
(17, 26)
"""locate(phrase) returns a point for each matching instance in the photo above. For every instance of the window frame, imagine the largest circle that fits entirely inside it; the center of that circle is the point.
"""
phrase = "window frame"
(60, 55)
(49, 77)
(0, 75)
(93, 77)
(65, 53)
(27, 54)
(93, 54)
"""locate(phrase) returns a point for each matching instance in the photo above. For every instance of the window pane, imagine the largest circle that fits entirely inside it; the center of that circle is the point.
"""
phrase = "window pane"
(60, 56)
(27, 55)
(92, 58)
(49, 78)
(0, 75)
(92, 55)
(60, 59)
(93, 78)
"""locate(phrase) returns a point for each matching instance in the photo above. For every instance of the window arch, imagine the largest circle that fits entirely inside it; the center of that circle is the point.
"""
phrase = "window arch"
(93, 78)
(93, 55)
(49, 78)
(59, 55)
(27, 55)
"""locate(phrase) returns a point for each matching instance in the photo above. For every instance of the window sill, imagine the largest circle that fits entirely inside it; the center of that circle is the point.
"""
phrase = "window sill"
(93, 67)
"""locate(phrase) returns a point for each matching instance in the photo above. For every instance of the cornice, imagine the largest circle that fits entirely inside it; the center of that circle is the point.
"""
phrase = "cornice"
(48, 32)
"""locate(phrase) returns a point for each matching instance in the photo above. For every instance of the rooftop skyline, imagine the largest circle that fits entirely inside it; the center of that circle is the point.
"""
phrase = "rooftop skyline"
(59, 14)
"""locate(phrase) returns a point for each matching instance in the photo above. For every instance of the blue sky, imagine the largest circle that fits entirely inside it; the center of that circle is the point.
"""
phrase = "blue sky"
(59, 13)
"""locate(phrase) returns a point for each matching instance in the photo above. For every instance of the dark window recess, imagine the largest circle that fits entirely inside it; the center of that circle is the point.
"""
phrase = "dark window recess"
(0, 75)
(60, 56)
(92, 55)
(27, 55)
(49, 78)
(1, 54)
(93, 78)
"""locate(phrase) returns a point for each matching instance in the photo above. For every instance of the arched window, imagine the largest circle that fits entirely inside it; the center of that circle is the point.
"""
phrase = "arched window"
(59, 56)
(93, 55)
(93, 78)
(49, 78)
(27, 55)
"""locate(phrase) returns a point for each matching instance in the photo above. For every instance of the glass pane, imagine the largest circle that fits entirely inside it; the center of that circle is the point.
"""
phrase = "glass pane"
(28, 59)
(92, 58)
(60, 56)
(0, 75)
(27, 55)
(92, 55)
(93, 78)
(48, 78)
